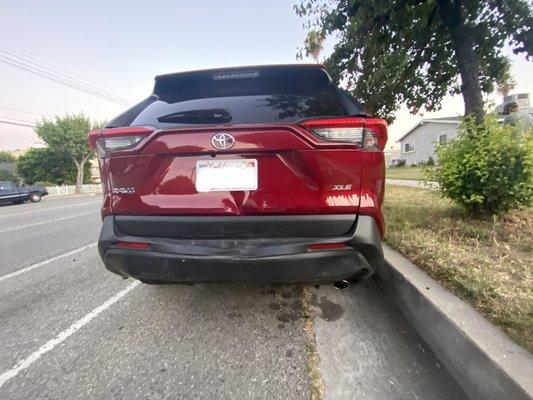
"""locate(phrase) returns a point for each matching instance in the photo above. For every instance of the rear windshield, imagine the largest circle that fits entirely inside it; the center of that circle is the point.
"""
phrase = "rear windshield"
(250, 96)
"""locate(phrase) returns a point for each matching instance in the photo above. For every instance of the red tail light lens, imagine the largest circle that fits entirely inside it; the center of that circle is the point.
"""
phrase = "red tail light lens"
(112, 139)
(133, 245)
(367, 133)
(328, 246)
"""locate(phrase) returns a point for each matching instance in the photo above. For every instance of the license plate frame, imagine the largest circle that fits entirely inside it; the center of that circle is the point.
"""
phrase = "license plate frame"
(226, 175)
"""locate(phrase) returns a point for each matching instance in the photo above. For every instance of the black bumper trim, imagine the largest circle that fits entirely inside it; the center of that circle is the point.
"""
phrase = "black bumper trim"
(238, 227)
(249, 260)
(308, 267)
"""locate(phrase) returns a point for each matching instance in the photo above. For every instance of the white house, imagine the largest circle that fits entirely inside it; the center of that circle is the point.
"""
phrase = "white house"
(418, 144)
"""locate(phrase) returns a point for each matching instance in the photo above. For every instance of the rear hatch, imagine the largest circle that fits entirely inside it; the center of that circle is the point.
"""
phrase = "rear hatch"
(238, 142)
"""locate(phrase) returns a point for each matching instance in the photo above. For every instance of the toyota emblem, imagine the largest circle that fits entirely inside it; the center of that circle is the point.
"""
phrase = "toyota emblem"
(223, 141)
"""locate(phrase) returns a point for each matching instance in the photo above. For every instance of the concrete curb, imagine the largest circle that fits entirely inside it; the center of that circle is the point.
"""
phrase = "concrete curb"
(480, 357)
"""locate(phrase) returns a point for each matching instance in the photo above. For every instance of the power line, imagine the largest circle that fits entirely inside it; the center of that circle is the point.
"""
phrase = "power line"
(56, 74)
(25, 111)
(64, 80)
(17, 122)
(60, 77)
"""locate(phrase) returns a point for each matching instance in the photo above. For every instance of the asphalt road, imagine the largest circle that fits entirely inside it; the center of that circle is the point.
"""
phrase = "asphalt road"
(71, 330)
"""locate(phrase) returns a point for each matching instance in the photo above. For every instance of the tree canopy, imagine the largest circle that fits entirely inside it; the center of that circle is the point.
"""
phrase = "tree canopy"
(6, 175)
(49, 166)
(7, 157)
(391, 52)
(67, 135)
(313, 44)
(506, 81)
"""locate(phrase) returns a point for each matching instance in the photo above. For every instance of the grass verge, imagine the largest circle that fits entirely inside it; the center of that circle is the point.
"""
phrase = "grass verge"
(317, 387)
(411, 173)
(487, 262)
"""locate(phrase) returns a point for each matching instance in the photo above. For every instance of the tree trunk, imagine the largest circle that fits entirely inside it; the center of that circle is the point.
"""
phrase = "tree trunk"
(79, 174)
(467, 59)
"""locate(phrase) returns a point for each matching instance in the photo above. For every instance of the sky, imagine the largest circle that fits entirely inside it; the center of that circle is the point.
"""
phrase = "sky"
(122, 45)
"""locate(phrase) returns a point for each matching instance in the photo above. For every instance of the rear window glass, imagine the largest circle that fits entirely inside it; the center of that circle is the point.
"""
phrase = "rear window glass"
(248, 96)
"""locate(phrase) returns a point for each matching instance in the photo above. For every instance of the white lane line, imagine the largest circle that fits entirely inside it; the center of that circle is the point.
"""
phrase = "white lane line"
(76, 326)
(40, 264)
(42, 209)
(16, 228)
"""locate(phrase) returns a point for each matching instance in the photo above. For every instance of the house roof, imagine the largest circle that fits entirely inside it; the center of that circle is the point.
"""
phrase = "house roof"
(443, 120)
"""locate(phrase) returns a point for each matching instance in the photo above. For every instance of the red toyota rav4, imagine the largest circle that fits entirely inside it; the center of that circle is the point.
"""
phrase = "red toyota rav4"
(257, 174)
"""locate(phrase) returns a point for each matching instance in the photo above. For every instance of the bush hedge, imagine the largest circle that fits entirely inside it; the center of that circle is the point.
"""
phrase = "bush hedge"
(487, 168)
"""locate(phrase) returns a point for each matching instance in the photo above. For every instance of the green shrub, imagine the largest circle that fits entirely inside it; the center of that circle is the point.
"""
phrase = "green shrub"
(401, 163)
(6, 175)
(44, 183)
(428, 163)
(487, 169)
(47, 165)
(6, 157)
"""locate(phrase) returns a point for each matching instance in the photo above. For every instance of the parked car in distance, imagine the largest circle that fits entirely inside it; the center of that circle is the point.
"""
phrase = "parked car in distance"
(11, 193)
(255, 174)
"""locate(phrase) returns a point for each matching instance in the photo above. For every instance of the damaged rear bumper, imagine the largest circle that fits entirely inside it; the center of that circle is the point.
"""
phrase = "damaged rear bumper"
(256, 259)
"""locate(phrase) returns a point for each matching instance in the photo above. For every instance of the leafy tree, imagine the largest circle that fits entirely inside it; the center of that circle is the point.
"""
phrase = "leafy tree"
(7, 157)
(68, 135)
(313, 44)
(6, 175)
(390, 52)
(506, 81)
(47, 165)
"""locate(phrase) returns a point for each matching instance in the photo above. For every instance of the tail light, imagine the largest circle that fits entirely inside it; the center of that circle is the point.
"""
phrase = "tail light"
(327, 246)
(367, 133)
(112, 139)
(133, 245)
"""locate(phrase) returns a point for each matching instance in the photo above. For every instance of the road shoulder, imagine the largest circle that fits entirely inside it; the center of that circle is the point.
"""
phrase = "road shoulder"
(367, 350)
(481, 358)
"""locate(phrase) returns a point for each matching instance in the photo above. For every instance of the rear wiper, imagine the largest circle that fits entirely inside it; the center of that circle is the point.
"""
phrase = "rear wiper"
(206, 116)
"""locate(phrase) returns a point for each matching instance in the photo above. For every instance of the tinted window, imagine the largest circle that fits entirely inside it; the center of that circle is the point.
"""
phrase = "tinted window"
(248, 96)
(243, 109)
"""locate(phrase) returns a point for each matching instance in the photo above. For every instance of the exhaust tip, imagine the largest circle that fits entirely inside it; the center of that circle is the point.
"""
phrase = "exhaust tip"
(341, 284)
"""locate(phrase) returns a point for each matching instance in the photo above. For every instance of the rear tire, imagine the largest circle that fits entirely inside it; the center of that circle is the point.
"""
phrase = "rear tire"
(35, 197)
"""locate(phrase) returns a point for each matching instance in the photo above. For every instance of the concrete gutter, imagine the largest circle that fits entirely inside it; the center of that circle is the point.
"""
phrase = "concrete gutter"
(480, 357)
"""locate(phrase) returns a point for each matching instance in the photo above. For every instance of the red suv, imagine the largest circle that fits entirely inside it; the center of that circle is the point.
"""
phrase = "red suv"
(257, 174)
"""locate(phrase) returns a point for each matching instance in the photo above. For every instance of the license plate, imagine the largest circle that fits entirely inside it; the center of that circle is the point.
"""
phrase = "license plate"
(225, 175)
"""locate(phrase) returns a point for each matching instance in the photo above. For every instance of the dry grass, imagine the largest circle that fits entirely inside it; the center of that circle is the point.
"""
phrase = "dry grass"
(413, 173)
(487, 262)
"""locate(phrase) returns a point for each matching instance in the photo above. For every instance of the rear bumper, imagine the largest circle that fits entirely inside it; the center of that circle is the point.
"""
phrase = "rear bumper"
(274, 259)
